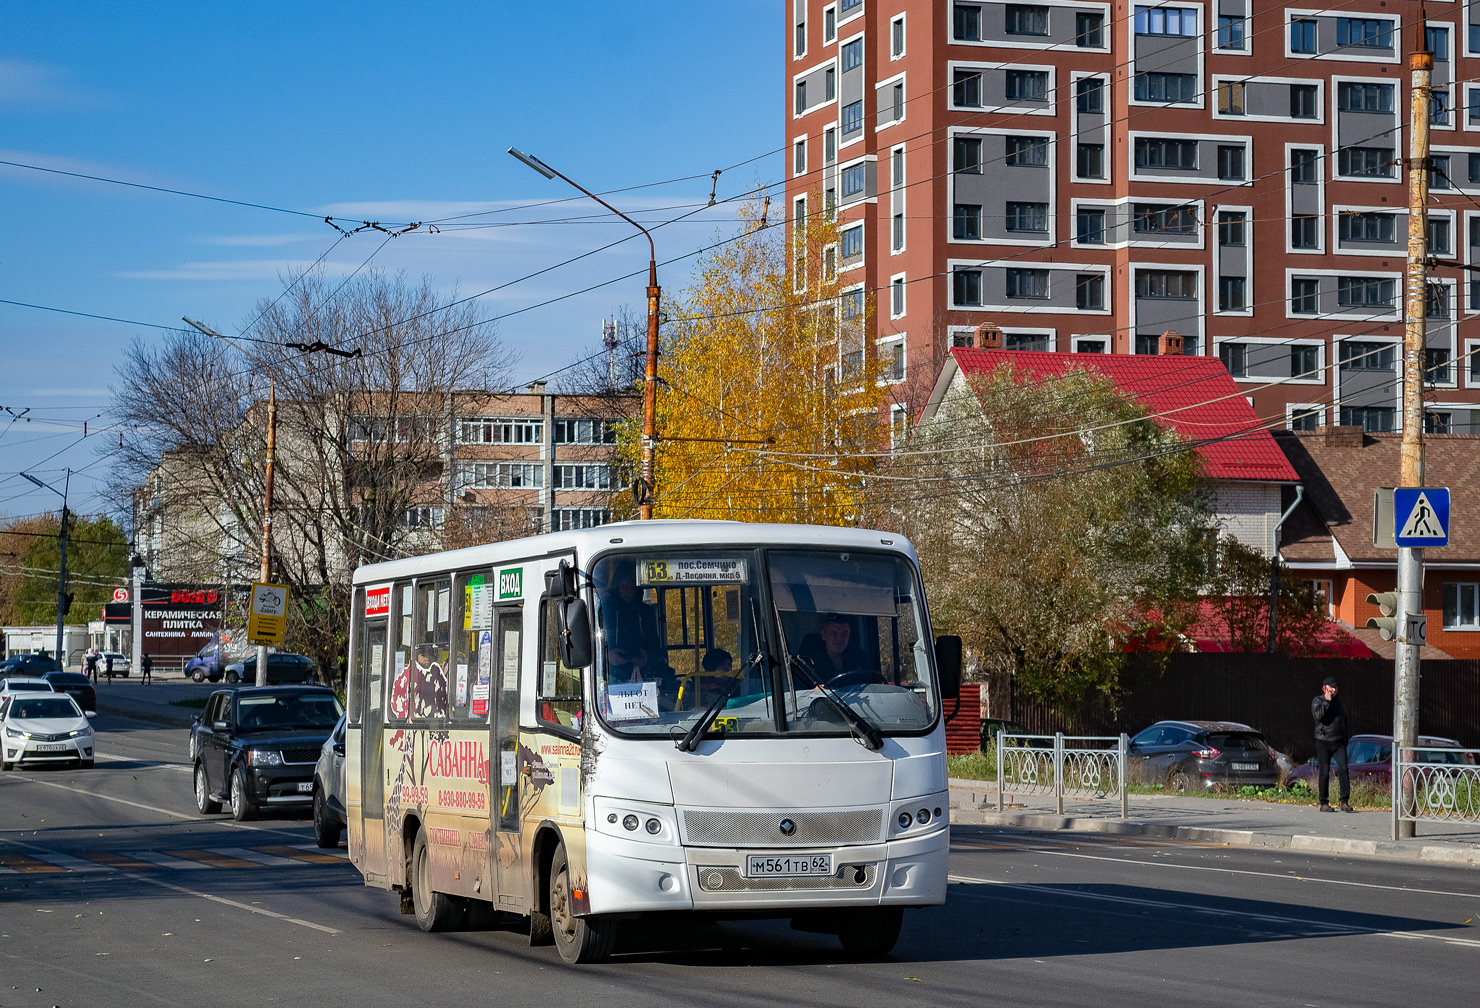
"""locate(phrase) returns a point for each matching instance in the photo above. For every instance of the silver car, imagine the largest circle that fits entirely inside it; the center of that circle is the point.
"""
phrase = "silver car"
(328, 790)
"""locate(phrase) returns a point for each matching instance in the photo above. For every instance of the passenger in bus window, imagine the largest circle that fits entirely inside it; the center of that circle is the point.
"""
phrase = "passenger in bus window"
(632, 663)
(831, 652)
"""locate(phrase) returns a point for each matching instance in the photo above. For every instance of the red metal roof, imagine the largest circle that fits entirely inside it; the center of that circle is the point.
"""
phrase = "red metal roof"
(1194, 396)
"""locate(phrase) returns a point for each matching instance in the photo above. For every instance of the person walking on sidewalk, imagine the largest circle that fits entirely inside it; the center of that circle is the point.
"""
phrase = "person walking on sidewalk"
(91, 663)
(146, 669)
(108, 665)
(1331, 738)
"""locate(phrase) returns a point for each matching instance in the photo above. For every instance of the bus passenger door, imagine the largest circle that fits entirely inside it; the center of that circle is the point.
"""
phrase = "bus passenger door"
(508, 856)
(372, 753)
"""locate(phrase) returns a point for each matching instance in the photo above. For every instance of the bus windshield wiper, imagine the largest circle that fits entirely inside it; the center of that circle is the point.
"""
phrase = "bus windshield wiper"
(866, 732)
(690, 740)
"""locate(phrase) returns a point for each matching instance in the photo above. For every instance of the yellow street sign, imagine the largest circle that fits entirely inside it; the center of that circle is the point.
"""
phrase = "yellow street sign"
(267, 623)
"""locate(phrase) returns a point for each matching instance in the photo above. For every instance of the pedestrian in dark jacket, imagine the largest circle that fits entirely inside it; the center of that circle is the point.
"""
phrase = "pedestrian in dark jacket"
(108, 665)
(146, 669)
(1331, 739)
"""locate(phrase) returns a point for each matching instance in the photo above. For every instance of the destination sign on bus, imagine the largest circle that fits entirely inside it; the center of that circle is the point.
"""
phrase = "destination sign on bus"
(692, 570)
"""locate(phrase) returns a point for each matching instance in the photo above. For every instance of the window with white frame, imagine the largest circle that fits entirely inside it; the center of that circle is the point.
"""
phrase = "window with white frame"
(500, 475)
(578, 518)
(422, 517)
(896, 296)
(583, 476)
(896, 37)
(500, 430)
(580, 430)
(799, 157)
(1461, 605)
(891, 360)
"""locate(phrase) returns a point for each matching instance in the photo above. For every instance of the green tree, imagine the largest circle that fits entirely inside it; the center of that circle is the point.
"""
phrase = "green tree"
(97, 563)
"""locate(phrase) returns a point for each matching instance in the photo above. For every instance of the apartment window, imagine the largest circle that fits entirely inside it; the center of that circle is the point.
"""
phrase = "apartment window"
(500, 430)
(896, 37)
(1364, 292)
(586, 432)
(1037, 342)
(829, 24)
(1438, 41)
(829, 202)
(1365, 162)
(801, 97)
(1439, 233)
(1303, 101)
(518, 475)
(1235, 357)
(1231, 97)
(1305, 231)
(1089, 291)
(891, 361)
(852, 55)
(851, 245)
(852, 179)
(1166, 284)
(1369, 33)
(1155, 218)
(850, 4)
(1089, 160)
(1160, 152)
(966, 286)
(582, 477)
(967, 21)
(1089, 30)
(1231, 294)
(421, 517)
(1366, 355)
(1436, 302)
(1372, 419)
(1027, 151)
(1027, 85)
(1023, 216)
(852, 304)
(896, 99)
(1461, 605)
(829, 146)
(1302, 35)
(896, 297)
(1026, 19)
(1439, 171)
(829, 262)
(967, 222)
(1091, 346)
(1027, 283)
(1231, 162)
(830, 84)
(1358, 96)
(1089, 94)
(896, 168)
(799, 157)
(966, 155)
(1166, 87)
(1439, 108)
(1304, 296)
(1305, 362)
(1438, 367)
(1232, 227)
(852, 117)
(1089, 226)
(1231, 31)
(966, 88)
(1365, 227)
(799, 47)
(1304, 167)
(897, 232)
(1304, 419)
(562, 519)
(1166, 21)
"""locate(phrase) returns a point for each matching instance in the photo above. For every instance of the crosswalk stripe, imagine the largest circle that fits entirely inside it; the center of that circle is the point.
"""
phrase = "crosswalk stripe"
(215, 859)
(312, 856)
(112, 859)
(164, 860)
(261, 857)
(21, 863)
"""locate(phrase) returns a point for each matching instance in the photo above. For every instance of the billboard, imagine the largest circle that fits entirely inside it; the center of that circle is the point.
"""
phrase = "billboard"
(177, 619)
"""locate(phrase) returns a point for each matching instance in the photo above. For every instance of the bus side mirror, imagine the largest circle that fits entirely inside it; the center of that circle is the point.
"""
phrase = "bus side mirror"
(948, 665)
(561, 582)
(575, 633)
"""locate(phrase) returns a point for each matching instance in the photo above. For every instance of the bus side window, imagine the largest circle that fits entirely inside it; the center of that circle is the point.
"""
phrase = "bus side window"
(559, 704)
(470, 668)
(398, 680)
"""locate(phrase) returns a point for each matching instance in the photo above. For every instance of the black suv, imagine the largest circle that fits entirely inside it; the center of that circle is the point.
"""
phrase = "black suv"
(1201, 755)
(256, 747)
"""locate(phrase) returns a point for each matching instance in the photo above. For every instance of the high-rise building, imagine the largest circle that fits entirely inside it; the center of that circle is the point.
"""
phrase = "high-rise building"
(1086, 177)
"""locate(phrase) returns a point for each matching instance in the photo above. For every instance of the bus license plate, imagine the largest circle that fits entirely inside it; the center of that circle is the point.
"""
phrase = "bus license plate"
(787, 865)
(1245, 766)
(52, 747)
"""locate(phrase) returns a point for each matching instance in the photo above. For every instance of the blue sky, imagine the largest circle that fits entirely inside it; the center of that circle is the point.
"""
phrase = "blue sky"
(382, 111)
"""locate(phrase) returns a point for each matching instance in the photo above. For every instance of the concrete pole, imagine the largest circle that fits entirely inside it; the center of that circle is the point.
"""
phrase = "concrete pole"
(1410, 559)
(136, 616)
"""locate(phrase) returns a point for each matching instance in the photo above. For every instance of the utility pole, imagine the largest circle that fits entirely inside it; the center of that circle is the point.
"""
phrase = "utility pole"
(62, 605)
(1410, 558)
(644, 488)
(265, 573)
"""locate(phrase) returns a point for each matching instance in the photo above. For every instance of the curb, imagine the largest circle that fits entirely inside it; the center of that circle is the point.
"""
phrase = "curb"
(1445, 853)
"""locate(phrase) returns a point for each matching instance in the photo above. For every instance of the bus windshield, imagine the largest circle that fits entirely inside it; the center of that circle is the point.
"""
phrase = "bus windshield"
(782, 635)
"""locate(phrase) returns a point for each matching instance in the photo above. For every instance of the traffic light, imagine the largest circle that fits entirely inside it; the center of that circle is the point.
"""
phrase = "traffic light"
(1387, 623)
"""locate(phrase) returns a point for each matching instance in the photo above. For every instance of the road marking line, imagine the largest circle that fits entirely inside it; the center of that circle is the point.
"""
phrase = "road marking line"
(164, 860)
(300, 854)
(213, 858)
(150, 808)
(232, 903)
(1244, 871)
(328, 852)
(257, 857)
(115, 860)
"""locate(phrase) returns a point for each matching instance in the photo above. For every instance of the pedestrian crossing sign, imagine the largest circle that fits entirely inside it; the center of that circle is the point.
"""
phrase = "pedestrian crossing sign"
(1421, 516)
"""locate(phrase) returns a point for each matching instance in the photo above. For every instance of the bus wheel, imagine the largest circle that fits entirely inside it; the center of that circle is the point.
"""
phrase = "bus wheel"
(870, 931)
(579, 939)
(434, 911)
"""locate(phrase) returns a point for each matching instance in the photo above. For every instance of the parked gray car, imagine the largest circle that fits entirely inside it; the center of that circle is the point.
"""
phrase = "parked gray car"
(328, 790)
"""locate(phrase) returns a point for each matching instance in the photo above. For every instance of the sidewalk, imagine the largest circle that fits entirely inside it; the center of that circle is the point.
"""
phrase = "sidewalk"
(1226, 821)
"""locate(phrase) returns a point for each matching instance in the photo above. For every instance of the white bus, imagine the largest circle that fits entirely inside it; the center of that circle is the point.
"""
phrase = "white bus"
(587, 726)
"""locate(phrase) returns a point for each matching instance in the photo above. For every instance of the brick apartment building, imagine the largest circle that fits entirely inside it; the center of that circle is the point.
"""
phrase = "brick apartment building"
(1086, 177)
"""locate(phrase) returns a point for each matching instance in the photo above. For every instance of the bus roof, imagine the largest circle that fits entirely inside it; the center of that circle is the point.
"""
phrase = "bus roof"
(692, 533)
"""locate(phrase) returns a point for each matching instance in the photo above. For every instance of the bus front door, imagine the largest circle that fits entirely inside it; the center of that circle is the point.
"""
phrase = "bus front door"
(372, 755)
(508, 857)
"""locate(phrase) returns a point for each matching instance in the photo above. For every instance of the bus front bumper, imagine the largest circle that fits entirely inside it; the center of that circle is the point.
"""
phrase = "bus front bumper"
(626, 876)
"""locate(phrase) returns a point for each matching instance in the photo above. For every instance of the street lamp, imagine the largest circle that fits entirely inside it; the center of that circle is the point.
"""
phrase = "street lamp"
(266, 569)
(650, 371)
(62, 606)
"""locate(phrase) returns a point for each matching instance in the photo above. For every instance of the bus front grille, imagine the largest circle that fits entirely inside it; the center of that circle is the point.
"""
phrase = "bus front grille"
(725, 828)
(728, 879)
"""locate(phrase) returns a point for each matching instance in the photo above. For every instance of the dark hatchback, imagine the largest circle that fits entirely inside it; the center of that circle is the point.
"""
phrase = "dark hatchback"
(282, 667)
(255, 748)
(77, 686)
(1201, 756)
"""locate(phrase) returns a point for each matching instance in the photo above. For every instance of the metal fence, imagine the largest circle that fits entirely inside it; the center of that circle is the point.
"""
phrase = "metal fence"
(1078, 766)
(1435, 784)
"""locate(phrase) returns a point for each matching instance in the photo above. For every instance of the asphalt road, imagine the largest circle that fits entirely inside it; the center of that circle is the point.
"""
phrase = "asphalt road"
(114, 891)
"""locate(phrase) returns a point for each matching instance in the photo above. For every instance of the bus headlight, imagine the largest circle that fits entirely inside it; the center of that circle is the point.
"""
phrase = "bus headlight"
(905, 819)
(629, 822)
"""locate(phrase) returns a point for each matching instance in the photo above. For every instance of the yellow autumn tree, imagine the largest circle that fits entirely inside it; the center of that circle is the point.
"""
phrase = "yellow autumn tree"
(769, 404)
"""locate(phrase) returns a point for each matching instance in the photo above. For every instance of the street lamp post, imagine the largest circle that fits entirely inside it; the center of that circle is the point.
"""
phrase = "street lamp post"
(61, 652)
(650, 371)
(266, 569)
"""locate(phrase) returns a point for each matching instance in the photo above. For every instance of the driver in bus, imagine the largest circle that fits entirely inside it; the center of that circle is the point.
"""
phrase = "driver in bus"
(624, 615)
(830, 653)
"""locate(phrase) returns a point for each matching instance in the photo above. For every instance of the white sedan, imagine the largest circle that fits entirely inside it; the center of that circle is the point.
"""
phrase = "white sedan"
(43, 728)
